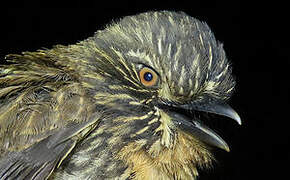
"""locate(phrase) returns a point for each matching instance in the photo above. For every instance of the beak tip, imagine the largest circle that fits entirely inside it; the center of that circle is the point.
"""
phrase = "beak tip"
(238, 119)
(224, 147)
(227, 149)
(233, 114)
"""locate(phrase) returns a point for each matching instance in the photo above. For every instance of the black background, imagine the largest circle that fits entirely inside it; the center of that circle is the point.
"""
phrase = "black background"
(256, 40)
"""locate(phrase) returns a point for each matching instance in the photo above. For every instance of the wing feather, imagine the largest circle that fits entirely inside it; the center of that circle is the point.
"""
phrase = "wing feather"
(44, 113)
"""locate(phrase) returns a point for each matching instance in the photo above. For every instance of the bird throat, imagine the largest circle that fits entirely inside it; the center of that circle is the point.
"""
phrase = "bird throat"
(179, 162)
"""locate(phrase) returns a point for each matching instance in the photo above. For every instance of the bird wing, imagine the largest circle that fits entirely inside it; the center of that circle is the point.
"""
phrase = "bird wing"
(44, 112)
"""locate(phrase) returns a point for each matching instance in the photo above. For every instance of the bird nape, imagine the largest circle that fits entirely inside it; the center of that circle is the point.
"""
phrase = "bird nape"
(119, 105)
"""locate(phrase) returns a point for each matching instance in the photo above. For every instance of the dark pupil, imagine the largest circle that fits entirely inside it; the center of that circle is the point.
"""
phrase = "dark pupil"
(148, 76)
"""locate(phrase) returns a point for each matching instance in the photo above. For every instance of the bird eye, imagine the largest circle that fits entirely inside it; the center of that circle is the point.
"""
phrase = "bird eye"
(148, 77)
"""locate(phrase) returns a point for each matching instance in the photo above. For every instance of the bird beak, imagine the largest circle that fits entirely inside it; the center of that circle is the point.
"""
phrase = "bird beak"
(199, 130)
(219, 108)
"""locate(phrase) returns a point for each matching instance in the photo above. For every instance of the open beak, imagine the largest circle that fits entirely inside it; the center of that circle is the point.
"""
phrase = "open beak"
(199, 130)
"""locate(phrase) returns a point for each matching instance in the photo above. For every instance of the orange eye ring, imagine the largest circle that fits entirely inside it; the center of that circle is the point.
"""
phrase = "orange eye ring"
(148, 77)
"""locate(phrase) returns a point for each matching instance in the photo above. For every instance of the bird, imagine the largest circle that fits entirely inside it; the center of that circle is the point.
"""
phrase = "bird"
(125, 103)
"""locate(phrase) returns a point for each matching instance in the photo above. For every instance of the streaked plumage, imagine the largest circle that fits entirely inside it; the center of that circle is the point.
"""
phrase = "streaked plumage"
(82, 112)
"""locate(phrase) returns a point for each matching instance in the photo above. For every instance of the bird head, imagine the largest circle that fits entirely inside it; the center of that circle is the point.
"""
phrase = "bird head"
(152, 72)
